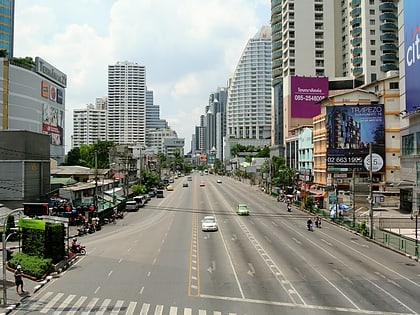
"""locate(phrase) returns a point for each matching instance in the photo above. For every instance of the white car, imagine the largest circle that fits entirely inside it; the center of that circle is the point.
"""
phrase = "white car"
(219, 181)
(209, 223)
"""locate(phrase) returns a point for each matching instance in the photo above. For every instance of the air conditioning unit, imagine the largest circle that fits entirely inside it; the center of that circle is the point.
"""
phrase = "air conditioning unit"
(340, 181)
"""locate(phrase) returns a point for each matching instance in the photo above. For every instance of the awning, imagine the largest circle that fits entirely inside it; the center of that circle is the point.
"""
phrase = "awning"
(318, 193)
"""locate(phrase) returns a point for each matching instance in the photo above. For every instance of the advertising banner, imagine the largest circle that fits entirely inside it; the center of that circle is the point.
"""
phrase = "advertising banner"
(351, 129)
(412, 53)
(305, 93)
(53, 123)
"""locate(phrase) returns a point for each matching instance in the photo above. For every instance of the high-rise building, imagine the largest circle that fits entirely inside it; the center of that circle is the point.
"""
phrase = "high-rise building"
(248, 111)
(127, 103)
(357, 40)
(303, 43)
(153, 120)
(7, 17)
(89, 125)
(216, 122)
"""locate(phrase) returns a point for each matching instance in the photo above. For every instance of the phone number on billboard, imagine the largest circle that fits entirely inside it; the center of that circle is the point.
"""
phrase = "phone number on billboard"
(309, 98)
(343, 159)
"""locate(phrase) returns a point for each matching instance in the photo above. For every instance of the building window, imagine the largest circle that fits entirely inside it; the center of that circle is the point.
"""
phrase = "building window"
(371, 2)
(372, 22)
(373, 62)
(372, 12)
(373, 77)
(407, 144)
(372, 42)
(417, 142)
(394, 85)
(372, 32)
(373, 52)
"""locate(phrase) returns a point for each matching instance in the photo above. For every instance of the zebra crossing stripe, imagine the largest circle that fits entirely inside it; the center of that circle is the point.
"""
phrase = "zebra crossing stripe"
(117, 307)
(91, 304)
(187, 311)
(77, 305)
(159, 310)
(51, 303)
(173, 310)
(144, 309)
(131, 307)
(103, 307)
(64, 305)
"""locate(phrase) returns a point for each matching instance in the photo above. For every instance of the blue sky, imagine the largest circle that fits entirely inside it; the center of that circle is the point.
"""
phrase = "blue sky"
(189, 47)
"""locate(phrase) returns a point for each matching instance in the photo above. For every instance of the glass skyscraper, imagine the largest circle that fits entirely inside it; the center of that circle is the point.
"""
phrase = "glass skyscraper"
(7, 12)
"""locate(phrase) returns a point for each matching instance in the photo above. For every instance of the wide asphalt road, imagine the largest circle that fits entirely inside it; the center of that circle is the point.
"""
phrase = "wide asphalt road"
(158, 261)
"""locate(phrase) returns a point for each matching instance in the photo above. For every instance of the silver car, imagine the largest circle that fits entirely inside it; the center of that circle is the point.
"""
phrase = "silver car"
(209, 223)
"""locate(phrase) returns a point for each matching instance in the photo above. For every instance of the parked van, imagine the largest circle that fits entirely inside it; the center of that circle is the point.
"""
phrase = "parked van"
(131, 205)
(159, 193)
(141, 200)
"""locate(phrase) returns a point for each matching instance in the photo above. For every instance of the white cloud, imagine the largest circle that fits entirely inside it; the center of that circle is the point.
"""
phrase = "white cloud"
(189, 47)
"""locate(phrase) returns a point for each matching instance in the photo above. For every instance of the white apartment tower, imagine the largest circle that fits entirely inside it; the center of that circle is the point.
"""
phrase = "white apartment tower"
(89, 125)
(369, 38)
(248, 111)
(127, 103)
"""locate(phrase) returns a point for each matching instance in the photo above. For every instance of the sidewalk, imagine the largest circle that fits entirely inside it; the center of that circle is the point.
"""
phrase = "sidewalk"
(30, 286)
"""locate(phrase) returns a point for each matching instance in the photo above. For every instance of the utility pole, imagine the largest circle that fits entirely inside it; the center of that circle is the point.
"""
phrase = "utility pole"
(95, 199)
(354, 199)
(371, 189)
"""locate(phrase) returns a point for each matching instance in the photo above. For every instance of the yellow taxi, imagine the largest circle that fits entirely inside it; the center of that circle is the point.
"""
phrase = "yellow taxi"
(169, 188)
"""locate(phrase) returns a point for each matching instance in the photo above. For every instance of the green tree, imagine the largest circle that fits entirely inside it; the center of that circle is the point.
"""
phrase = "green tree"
(73, 157)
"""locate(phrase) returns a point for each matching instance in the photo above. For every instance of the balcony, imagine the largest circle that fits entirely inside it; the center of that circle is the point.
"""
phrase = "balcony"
(355, 3)
(356, 41)
(356, 31)
(389, 67)
(357, 71)
(389, 57)
(389, 37)
(357, 61)
(388, 27)
(357, 51)
(391, 47)
(388, 7)
(388, 16)
(356, 21)
(356, 12)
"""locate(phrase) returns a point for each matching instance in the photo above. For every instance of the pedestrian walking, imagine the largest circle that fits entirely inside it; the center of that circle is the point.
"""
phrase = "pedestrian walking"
(19, 279)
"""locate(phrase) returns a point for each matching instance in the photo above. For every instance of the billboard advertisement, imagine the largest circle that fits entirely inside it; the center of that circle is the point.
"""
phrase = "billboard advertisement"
(305, 93)
(53, 123)
(412, 53)
(351, 130)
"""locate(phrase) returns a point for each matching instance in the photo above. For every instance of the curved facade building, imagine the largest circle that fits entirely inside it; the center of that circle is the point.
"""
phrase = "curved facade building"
(248, 112)
(34, 101)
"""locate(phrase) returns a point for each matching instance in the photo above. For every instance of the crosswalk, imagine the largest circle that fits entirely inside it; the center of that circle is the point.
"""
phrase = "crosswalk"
(61, 304)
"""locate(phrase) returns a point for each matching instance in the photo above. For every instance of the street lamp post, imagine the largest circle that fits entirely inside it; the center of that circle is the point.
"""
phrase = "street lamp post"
(4, 252)
(417, 241)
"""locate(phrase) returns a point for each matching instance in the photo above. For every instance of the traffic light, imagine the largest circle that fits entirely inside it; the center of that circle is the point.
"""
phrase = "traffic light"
(35, 209)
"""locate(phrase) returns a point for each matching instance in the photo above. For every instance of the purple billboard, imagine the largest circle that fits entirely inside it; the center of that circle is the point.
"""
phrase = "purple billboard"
(412, 53)
(351, 130)
(306, 92)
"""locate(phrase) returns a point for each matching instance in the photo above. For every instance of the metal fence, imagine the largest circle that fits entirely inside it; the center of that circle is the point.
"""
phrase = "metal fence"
(397, 233)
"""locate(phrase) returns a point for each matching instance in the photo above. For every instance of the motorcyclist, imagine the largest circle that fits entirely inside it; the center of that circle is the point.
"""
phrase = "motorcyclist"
(309, 224)
(318, 222)
(74, 245)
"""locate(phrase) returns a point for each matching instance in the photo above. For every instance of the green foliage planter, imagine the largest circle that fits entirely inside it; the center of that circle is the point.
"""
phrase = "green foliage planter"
(32, 266)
